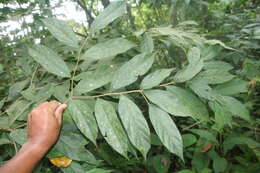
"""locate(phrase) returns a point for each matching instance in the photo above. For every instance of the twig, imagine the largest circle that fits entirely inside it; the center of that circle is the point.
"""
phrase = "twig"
(76, 67)
(187, 128)
(33, 75)
(106, 94)
(142, 93)
(15, 147)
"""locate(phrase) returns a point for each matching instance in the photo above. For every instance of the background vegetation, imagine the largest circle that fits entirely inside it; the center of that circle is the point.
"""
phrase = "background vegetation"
(152, 85)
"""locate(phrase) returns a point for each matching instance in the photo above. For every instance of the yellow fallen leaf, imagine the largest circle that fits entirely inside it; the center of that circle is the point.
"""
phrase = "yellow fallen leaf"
(61, 161)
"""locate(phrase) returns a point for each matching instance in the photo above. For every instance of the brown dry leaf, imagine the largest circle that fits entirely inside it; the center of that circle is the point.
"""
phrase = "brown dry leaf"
(206, 147)
(252, 83)
(61, 161)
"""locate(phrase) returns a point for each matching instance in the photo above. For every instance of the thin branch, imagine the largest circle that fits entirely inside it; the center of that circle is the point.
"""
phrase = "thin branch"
(120, 93)
(33, 75)
(76, 67)
(107, 94)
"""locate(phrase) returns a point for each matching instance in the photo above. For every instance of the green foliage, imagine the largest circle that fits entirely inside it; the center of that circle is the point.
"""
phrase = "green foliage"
(151, 86)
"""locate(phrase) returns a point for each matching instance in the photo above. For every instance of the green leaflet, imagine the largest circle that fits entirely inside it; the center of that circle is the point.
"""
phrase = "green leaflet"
(235, 86)
(15, 89)
(205, 134)
(4, 141)
(210, 52)
(50, 60)
(129, 72)
(19, 136)
(155, 78)
(107, 49)
(231, 141)
(74, 168)
(178, 102)
(135, 125)
(111, 127)
(61, 31)
(161, 163)
(222, 115)
(218, 65)
(98, 170)
(195, 106)
(84, 119)
(113, 11)
(188, 140)
(194, 67)
(96, 79)
(235, 107)
(72, 145)
(18, 110)
(215, 76)
(147, 44)
(166, 130)
(202, 89)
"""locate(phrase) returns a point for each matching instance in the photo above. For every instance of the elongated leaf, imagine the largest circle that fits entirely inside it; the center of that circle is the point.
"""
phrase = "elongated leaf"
(2, 102)
(84, 119)
(129, 72)
(205, 134)
(210, 52)
(135, 124)
(4, 141)
(215, 76)
(155, 78)
(16, 89)
(61, 31)
(19, 136)
(222, 115)
(166, 130)
(111, 127)
(147, 44)
(202, 89)
(194, 67)
(50, 60)
(113, 11)
(232, 87)
(235, 107)
(94, 80)
(18, 110)
(178, 102)
(107, 49)
(218, 65)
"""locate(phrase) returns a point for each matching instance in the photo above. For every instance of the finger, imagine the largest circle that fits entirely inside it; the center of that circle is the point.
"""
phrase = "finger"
(53, 105)
(59, 112)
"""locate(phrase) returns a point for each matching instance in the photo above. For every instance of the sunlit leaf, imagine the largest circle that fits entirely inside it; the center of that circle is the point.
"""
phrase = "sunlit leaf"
(111, 127)
(155, 78)
(107, 49)
(98, 78)
(147, 44)
(62, 31)
(84, 119)
(135, 124)
(129, 72)
(50, 60)
(166, 130)
(194, 67)
(178, 102)
(113, 11)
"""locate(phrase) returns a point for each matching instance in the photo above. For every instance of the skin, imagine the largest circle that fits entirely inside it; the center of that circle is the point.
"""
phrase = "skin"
(43, 128)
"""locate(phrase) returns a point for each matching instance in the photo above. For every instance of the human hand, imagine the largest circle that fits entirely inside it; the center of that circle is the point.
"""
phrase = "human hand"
(44, 124)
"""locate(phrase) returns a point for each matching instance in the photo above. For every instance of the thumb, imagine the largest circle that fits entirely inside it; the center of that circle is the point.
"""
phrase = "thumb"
(59, 112)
